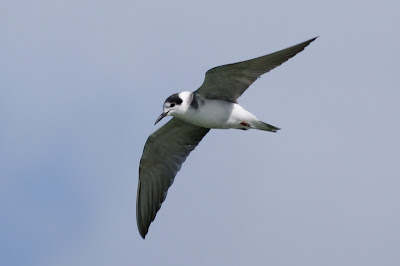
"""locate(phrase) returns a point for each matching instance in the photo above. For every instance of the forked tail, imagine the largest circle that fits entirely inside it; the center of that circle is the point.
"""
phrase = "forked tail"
(266, 127)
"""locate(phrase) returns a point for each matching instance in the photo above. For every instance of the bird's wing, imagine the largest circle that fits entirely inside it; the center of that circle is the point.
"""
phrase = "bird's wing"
(228, 82)
(163, 154)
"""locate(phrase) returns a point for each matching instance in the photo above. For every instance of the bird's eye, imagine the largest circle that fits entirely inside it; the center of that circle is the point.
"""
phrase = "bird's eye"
(172, 105)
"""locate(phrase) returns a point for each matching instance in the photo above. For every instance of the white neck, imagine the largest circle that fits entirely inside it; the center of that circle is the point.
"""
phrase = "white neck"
(186, 97)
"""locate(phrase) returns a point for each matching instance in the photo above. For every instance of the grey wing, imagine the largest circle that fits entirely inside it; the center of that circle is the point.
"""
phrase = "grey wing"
(228, 82)
(163, 154)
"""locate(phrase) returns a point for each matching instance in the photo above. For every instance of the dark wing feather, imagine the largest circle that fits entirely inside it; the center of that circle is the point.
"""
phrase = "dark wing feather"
(163, 154)
(228, 82)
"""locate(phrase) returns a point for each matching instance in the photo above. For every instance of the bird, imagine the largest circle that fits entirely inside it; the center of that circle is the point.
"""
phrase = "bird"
(212, 106)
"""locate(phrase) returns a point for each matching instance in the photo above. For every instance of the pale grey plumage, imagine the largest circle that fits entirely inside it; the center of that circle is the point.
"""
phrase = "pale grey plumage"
(168, 147)
(163, 154)
(228, 82)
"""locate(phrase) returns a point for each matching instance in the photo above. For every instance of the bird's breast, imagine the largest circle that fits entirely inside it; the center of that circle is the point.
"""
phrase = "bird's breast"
(210, 114)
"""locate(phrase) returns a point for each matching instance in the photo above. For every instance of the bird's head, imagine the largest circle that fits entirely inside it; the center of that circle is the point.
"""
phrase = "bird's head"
(175, 104)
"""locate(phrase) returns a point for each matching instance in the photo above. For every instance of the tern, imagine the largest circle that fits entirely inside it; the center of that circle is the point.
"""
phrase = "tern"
(212, 106)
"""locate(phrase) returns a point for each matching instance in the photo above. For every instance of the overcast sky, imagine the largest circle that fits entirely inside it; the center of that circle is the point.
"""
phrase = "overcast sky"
(82, 82)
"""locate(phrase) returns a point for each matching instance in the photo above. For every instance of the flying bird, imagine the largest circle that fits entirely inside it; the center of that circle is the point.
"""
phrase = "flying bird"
(213, 105)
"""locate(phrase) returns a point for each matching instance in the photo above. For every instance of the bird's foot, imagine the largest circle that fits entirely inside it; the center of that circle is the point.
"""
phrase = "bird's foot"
(243, 123)
(246, 125)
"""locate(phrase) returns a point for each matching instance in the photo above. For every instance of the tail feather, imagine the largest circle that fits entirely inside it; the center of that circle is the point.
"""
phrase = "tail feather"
(266, 127)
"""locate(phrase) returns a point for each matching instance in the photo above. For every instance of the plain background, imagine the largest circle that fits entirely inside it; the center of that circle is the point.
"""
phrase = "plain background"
(82, 82)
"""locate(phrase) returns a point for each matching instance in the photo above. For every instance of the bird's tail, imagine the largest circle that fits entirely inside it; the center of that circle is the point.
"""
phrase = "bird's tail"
(266, 127)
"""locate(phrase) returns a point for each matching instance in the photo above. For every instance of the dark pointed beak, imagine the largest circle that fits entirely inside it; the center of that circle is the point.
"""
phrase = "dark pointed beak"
(164, 114)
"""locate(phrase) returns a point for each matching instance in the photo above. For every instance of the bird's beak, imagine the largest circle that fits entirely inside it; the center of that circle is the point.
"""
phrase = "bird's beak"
(164, 114)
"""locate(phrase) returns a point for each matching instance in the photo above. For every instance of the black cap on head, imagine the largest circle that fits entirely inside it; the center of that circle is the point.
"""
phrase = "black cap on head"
(174, 98)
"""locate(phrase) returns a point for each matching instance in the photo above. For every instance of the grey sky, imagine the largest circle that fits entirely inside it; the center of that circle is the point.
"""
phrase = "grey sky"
(82, 82)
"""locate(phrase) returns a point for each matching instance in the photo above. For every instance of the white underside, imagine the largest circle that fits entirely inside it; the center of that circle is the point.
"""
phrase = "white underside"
(218, 114)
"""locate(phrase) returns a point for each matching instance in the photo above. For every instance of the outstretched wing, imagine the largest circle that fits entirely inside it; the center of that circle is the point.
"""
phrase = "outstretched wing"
(228, 82)
(163, 154)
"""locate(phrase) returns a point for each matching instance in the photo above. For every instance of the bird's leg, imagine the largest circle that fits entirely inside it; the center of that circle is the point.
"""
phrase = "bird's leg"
(243, 123)
(246, 125)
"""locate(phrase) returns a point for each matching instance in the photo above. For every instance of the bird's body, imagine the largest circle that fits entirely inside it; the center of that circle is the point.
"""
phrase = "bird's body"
(212, 106)
(216, 114)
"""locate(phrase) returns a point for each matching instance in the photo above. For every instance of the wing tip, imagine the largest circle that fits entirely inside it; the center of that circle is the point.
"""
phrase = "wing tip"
(313, 39)
(306, 43)
(142, 229)
(139, 220)
(142, 233)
